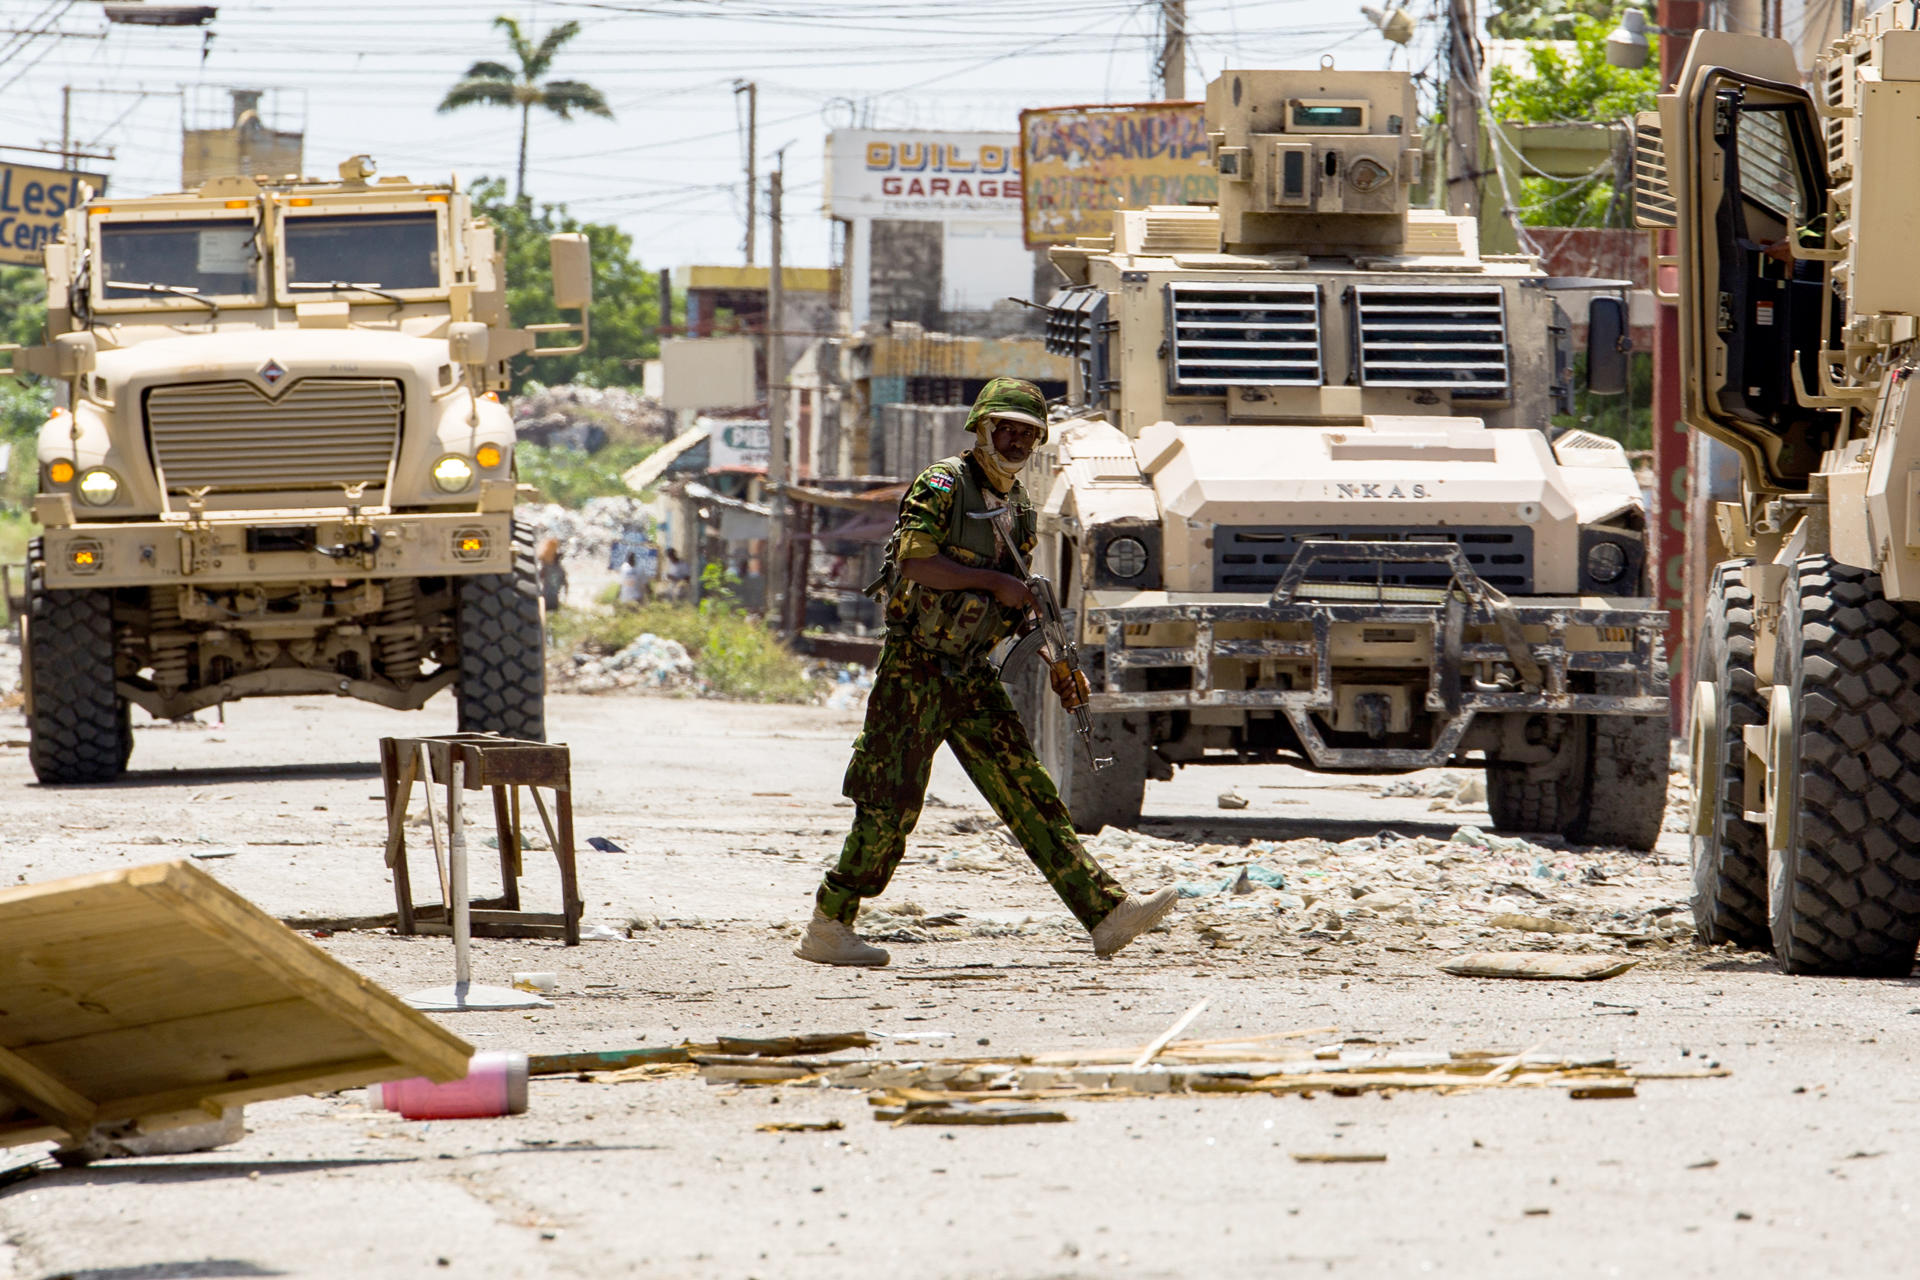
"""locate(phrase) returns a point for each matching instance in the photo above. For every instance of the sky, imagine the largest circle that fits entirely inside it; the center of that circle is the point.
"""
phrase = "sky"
(367, 76)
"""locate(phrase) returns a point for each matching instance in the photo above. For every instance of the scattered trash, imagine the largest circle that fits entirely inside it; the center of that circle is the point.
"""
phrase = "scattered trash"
(1242, 882)
(1534, 924)
(603, 844)
(203, 855)
(1232, 800)
(1537, 964)
(1339, 1157)
(801, 1126)
(650, 662)
(495, 1085)
(540, 981)
(933, 1111)
(602, 933)
(1602, 1091)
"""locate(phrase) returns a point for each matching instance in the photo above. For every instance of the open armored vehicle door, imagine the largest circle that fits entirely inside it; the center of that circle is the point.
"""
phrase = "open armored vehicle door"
(1747, 166)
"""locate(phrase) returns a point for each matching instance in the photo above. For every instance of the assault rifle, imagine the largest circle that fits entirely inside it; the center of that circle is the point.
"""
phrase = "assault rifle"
(1063, 655)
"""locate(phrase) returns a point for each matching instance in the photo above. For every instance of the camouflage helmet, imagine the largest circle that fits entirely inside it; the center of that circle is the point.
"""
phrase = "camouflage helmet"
(1012, 398)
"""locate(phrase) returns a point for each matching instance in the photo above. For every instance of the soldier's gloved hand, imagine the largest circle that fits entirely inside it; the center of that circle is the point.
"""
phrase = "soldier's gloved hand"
(1069, 686)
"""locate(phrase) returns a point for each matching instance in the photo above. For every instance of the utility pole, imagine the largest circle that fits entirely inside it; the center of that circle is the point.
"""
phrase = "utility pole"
(780, 550)
(66, 127)
(1463, 109)
(1173, 50)
(752, 90)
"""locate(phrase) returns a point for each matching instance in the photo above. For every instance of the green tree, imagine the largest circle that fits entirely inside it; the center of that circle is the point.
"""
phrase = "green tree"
(1584, 88)
(498, 85)
(626, 315)
(1543, 19)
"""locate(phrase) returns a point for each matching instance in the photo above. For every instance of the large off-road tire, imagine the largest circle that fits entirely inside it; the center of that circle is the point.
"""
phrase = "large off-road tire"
(1729, 852)
(1607, 784)
(1518, 802)
(79, 730)
(502, 686)
(1113, 796)
(1843, 735)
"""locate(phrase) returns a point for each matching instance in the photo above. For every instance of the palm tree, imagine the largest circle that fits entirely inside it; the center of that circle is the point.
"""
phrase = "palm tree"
(499, 85)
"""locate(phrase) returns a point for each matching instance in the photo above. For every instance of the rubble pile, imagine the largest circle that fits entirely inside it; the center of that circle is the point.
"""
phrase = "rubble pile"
(650, 662)
(1471, 891)
(586, 534)
(586, 418)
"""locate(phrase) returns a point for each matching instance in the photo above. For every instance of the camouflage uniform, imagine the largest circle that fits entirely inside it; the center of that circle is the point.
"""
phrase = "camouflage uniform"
(934, 685)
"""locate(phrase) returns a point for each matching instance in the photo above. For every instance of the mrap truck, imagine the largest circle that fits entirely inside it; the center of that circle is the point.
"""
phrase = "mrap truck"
(1308, 504)
(282, 467)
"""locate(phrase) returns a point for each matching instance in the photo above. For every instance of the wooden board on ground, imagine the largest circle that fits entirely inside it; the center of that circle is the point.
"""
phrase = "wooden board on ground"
(157, 996)
(1538, 965)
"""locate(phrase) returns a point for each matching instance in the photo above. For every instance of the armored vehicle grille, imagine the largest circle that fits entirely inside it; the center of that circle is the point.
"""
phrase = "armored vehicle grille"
(1431, 336)
(1248, 558)
(1653, 205)
(1243, 335)
(322, 433)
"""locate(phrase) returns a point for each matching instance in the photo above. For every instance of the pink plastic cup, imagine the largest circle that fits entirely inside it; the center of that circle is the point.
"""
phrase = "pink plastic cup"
(495, 1085)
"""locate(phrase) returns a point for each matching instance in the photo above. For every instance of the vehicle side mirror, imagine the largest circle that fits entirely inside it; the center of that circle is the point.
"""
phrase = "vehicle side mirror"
(1609, 344)
(572, 262)
(74, 354)
(467, 342)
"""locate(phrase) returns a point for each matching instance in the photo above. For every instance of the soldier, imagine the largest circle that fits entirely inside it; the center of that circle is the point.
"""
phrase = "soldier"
(949, 599)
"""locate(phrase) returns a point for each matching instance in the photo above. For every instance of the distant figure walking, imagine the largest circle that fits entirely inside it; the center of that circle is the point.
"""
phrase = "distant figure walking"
(678, 576)
(633, 587)
(552, 574)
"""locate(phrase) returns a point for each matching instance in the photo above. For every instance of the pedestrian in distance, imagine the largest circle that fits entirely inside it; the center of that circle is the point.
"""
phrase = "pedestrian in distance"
(552, 574)
(950, 595)
(633, 587)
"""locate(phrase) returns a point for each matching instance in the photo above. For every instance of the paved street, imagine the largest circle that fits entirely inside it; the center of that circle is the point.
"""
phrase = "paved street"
(1798, 1162)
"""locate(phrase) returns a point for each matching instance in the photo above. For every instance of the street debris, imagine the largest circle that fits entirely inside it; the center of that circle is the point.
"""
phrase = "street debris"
(801, 1126)
(1537, 965)
(1232, 800)
(649, 662)
(106, 1050)
(1025, 1088)
(1339, 1157)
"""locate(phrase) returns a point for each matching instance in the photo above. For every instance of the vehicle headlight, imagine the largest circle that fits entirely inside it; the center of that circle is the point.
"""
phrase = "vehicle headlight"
(1126, 557)
(452, 473)
(98, 487)
(1605, 561)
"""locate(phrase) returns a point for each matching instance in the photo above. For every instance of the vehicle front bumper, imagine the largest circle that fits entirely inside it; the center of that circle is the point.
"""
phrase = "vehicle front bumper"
(1457, 631)
(277, 548)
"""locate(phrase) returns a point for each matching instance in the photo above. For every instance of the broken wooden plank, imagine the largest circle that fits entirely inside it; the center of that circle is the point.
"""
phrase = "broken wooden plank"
(557, 1064)
(981, 1113)
(1602, 1091)
(1165, 1038)
(1538, 965)
(800, 1126)
(786, 1046)
(148, 993)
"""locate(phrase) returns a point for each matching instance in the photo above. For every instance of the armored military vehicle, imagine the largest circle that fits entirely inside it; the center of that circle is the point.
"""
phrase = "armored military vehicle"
(1791, 212)
(1307, 505)
(282, 467)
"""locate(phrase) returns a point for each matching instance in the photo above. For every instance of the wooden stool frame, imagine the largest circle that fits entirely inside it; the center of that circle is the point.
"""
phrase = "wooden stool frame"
(504, 765)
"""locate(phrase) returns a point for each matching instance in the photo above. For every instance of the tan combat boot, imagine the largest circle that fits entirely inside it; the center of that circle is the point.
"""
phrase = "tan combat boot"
(827, 941)
(1131, 919)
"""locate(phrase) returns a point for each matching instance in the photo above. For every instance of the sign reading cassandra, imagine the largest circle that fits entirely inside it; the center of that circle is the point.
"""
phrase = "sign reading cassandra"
(1079, 164)
(32, 203)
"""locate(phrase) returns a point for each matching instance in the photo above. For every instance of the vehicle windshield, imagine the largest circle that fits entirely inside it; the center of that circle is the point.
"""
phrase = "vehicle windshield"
(164, 261)
(365, 251)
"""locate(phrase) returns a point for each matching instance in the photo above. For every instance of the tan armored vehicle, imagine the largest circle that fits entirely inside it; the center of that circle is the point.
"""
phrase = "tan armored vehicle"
(1793, 217)
(1307, 506)
(283, 466)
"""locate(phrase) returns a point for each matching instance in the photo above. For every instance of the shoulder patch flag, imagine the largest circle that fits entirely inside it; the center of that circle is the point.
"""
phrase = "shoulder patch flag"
(940, 480)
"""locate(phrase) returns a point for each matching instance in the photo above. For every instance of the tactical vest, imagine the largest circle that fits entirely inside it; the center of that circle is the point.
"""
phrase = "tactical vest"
(959, 624)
